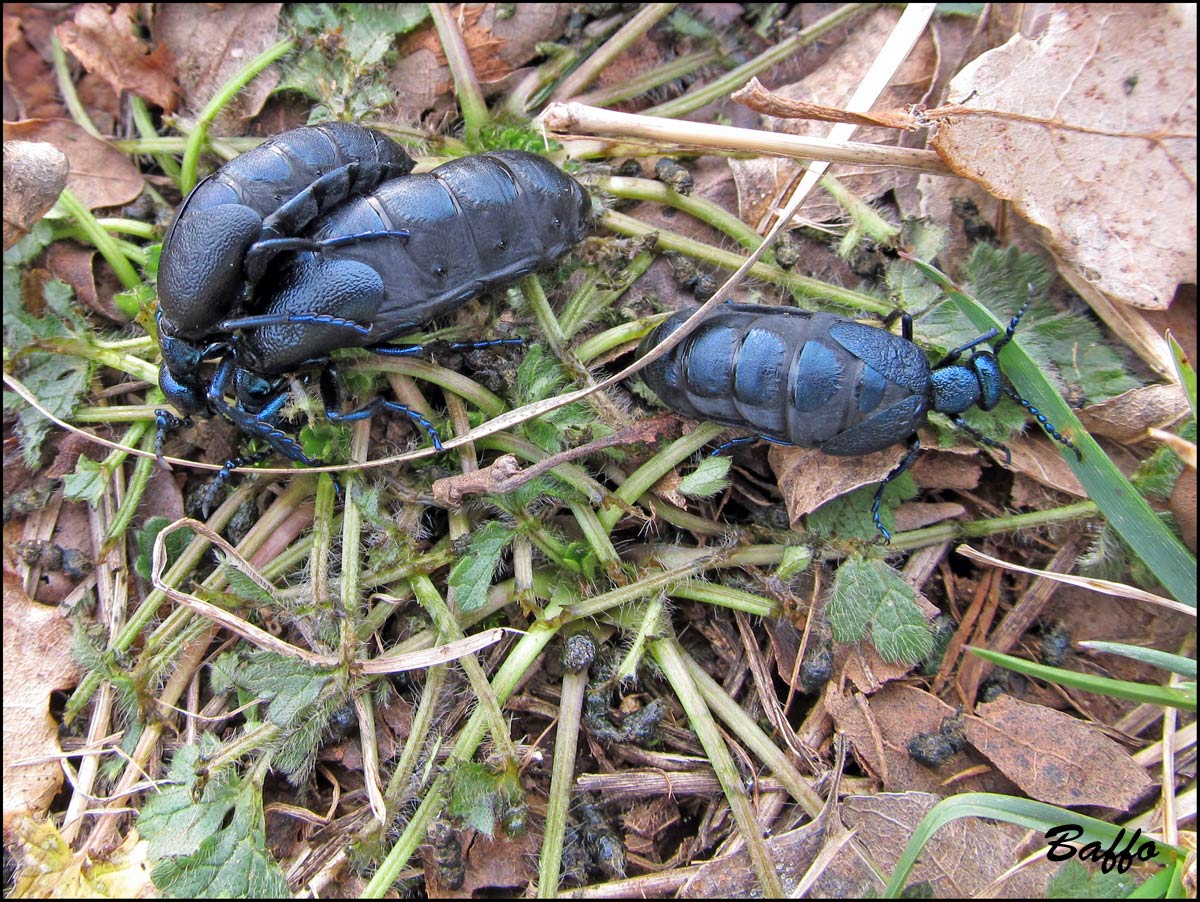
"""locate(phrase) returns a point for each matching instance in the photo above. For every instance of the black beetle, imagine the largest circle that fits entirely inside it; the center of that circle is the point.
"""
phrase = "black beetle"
(471, 224)
(818, 380)
(231, 225)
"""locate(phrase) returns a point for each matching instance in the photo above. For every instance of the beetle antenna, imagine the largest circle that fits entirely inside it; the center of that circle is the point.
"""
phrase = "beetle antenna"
(1046, 424)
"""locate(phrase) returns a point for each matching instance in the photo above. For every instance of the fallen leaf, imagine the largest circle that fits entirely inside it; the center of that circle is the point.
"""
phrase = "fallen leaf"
(101, 176)
(34, 175)
(960, 860)
(36, 663)
(211, 43)
(880, 726)
(1056, 758)
(105, 41)
(808, 478)
(1183, 506)
(1088, 125)
(47, 868)
(1126, 417)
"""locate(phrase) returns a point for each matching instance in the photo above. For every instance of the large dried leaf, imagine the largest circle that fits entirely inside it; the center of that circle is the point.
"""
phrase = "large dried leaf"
(1056, 758)
(105, 41)
(960, 861)
(1088, 125)
(211, 43)
(36, 662)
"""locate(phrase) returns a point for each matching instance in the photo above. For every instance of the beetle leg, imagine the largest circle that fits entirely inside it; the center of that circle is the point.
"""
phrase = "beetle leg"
(321, 196)
(210, 493)
(330, 395)
(279, 319)
(164, 420)
(748, 439)
(414, 350)
(983, 439)
(914, 445)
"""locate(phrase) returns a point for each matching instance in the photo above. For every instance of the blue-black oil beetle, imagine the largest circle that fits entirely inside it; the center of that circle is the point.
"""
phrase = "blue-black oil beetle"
(818, 380)
(372, 268)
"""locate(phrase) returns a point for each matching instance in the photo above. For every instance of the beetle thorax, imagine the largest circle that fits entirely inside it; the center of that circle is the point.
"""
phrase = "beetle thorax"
(954, 388)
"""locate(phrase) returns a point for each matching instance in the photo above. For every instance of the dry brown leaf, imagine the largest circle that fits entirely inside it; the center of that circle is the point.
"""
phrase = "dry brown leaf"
(211, 43)
(497, 46)
(918, 515)
(1054, 757)
(880, 726)
(960, 860)
(30, 89)
(1126, 417)
(1089, 127)
(1183, 506)
(101, 176)
(105, 41)
(36, 663)
(808, 478)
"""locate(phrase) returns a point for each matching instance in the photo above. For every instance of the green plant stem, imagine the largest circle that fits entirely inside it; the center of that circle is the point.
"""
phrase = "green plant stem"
(648, 81)
(613, 338)
(466, 84)
(648, 584)
(195, 141)
(861, 213)
(142, 471)
(414, 745)
(704, 210)
(562, 777)
(103, 242)
(586, 302)
(670, 657)
(628, 35)
(147, 131)
(66, 87)
(644, 477)
(448, 630)
(799, 286)
(722, 87)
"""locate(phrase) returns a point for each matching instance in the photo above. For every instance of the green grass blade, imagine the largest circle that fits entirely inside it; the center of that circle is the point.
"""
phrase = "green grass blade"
(1122, 505)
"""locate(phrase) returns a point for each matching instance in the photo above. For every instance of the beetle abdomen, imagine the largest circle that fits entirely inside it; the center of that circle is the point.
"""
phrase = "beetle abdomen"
(473, 223)
(793, 376)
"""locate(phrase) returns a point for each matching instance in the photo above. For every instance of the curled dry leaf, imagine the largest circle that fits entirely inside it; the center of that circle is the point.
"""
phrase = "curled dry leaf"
(34, 175)
(1126, 417)
(1088, 125)
(100, 175)
(211, 43)
(808, 478)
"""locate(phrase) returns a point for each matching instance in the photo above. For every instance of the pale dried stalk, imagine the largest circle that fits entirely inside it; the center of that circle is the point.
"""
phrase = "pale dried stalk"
(567, 120)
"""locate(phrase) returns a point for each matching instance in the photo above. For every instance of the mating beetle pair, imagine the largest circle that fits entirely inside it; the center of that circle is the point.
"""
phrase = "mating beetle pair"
(823, 381)
(320, 239)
